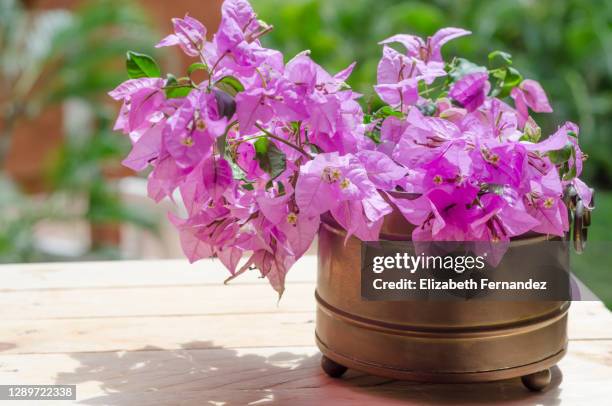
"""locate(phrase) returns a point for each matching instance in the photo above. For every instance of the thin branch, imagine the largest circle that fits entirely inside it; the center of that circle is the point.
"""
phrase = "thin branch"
(290, 144)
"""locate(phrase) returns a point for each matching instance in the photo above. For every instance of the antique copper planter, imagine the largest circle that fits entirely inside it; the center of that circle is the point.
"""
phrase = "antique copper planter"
(472, 341)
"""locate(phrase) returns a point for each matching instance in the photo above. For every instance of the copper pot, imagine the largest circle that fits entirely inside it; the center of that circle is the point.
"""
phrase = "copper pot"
(471, 341)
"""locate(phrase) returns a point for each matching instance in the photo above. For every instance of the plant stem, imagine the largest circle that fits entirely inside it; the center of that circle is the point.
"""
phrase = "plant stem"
(279, 139)
(214, 68)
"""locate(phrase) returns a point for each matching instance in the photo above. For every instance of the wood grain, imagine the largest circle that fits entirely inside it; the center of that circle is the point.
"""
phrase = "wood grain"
(167, 333)
(133, 274)
(286, 375)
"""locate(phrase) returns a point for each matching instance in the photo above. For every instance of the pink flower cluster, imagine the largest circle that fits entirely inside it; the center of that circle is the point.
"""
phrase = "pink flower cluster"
(261, 149)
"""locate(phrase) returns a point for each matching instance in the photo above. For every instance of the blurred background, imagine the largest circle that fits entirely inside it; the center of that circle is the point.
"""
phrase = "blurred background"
(64, 195)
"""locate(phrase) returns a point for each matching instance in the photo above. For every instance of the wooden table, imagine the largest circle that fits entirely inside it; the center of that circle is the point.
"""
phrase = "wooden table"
(167, 333)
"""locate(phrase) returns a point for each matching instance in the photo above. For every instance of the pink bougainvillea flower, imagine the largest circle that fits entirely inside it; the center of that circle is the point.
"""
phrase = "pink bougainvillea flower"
(545, 203)
(142, 99)
(296, 229)
(442, 37)
(399, 76)
(584, 192)
(429, 50)
(192, 130)
(216, 176)
(440, 215)
(500, 163)
(424, 139)
(351, 215)
(236, 43)
(146, 149)
(164, 179)
(189, 34)
(261, 151)
(240, 11)
(530, 95)
(332, 183)
(328, 180)
(470, 91)
(501, 220)
(565, 137)
(382, 171)
(401, 93)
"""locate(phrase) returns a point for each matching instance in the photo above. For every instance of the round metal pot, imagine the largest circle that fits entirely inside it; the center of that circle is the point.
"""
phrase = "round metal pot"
(471, 341)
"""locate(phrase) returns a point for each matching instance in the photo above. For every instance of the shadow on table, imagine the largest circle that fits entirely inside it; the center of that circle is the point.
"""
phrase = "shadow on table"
(200, 374)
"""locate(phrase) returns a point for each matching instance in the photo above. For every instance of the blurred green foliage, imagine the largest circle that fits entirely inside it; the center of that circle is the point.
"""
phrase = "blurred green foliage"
(593, 266)
(565, 44)
(51, 57)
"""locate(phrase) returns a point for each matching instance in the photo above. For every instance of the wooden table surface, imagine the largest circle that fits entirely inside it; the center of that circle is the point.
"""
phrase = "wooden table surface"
(167, 333)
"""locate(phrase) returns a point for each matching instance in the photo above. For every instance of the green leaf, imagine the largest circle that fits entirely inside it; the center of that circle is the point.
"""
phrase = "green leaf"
(570, 173)
(237, 171)
(513, 77)
(141, 66)
(387, 111)
(178, 91)
(262, 145)
(504, 58)
(230, 85)
(194, 67)
(509, 78)
(374, 136)
(563, 155)
(281, 188)
(463, 67)
(221, 144)
(271, 159)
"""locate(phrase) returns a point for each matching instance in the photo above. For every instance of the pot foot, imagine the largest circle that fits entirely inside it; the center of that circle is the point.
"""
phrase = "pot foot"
(332, 368)
(537, 381)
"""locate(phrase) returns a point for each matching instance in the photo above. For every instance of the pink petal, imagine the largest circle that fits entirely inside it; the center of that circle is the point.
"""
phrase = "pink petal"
(443, 36)
(274, 209)
(193, 248)
(416, 211)
(381, 169)
(344, 74)
(411, 42)
(301, 235)
(520, 103)
(164, 179)
(470, 91)
(169, 41)
(584, 192)
(129, 87)
(216, 176)
(146, 149)
(350, 215)
(535, 96)
(230, 257)
(250, 109)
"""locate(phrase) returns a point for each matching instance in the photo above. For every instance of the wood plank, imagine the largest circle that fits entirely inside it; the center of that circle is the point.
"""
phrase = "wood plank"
(86, 275)
(288, 375)
(154, 301)
(174, 332)
(136, 333)
(588, 320)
